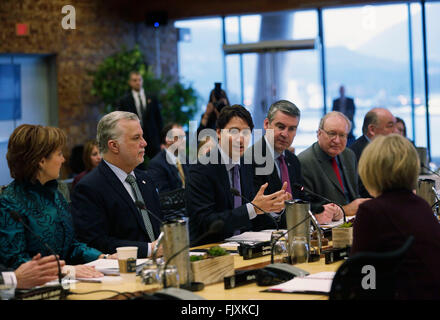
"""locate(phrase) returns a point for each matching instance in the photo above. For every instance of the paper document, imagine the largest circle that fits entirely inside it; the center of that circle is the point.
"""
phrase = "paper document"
(332, 224)
(251, 236)
(111, 266)
(315, 283)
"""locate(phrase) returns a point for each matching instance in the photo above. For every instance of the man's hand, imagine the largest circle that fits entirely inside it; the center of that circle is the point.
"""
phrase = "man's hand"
(159, 252)
(37, 272)
(272, 202)
(352, 208)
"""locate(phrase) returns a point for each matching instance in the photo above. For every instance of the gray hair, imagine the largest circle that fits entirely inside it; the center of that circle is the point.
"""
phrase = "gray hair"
(284, 106)
(108, 128)
(331, 114)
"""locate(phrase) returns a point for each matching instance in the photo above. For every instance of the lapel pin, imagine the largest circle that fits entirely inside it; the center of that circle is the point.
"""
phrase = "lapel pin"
(143, 181)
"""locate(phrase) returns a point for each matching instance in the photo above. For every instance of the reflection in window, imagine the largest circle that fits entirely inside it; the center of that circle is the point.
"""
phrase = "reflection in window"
(370, 57)
(433, 47)
(201, 58)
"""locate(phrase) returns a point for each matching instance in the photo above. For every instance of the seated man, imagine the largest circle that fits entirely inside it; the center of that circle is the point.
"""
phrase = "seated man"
(166, 169)
(377, 121)
(109, 204)
(280, 125)
(329, 169)
(208, 193)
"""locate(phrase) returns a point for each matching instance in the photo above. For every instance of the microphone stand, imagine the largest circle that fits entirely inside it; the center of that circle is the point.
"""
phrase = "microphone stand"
(214, 228)
(282, 235)
(17, 218)
(302, 188)
(429, 169)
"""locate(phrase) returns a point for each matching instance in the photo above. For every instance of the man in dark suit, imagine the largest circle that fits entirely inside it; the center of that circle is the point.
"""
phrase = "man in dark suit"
(109, 204)
(208, 193)
(377, 121)
(346, 106)
(147, 108)
(168, 169)
(329, 169)
(270, 155)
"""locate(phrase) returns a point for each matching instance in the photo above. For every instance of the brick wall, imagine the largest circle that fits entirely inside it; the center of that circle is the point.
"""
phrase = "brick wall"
(100, 31)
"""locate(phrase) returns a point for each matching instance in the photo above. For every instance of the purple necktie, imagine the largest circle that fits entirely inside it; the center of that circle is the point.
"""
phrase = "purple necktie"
(236, 185)
(284, 173)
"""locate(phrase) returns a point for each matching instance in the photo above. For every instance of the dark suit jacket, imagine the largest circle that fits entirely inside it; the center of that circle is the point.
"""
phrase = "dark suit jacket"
(349, 107)
(383, 224)
(358, 146)
(293, 166)
(208, 199)
(319, 177)
(349, 111)
(152, 121)
(164, 175)
(105, 215)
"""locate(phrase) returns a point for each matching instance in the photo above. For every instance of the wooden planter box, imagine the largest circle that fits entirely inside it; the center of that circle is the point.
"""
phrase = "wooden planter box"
(213, 270)
(342, 237)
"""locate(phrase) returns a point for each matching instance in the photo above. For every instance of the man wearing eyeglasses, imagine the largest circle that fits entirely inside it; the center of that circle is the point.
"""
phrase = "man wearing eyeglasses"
(377, 121)
(329, 169)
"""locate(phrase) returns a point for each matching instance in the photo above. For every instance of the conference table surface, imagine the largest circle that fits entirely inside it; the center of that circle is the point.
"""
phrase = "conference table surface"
(216, 291)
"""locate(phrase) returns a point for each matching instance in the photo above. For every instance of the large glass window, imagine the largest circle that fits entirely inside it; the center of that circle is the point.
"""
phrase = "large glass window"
(367, 51)
(201, 56)
(270, 76)
(433, 48)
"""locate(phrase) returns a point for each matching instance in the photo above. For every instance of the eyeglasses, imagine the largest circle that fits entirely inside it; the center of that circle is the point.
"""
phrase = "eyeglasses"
(332, 134)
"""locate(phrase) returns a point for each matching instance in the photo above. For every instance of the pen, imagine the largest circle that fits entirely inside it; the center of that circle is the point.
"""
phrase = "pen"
(90, 280)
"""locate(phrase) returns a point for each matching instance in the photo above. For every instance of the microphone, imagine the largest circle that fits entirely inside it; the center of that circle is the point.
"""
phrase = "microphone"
(17, 218)
(141, 206)
(215, 227)
(429, 169)
(302, 188)
(235, 192)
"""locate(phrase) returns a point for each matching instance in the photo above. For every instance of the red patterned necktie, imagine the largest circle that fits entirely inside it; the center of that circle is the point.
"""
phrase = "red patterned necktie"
(338, 174)
(284, 173)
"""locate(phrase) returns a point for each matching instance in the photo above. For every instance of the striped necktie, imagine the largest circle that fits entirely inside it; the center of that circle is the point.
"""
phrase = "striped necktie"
(137, 195)
(181, 173)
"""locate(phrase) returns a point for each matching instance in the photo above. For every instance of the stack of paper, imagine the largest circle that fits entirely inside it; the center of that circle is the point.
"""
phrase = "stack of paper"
(251, 236)
(111, 266)
(315, 283)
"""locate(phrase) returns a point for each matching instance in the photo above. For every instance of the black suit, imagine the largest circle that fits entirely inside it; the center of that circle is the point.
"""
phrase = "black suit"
(164, 175)
(275, 184)
(358, 146)
(349, 111)
(151, 119)
(106, 217)
(208, 198)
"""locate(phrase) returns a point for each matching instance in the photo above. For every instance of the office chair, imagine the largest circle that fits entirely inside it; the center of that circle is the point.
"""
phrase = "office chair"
(348, 285)
(172, 204)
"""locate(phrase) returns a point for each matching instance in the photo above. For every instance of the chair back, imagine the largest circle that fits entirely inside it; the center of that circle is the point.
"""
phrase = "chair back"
(369, 275)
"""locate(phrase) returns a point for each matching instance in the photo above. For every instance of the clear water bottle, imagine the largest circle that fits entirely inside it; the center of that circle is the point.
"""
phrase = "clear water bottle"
(300, 250)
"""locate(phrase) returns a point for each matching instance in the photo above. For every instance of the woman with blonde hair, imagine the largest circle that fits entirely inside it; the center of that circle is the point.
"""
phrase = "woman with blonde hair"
(35, 158)
(389, 168)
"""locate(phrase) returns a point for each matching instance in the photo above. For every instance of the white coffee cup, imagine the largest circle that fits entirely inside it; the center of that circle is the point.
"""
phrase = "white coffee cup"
(127, 262)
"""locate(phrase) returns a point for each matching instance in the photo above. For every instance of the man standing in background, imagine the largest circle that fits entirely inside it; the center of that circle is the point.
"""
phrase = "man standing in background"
(146, 106)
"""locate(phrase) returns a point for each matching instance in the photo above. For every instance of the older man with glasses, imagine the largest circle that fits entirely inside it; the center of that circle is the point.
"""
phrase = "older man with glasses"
(329, 169)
